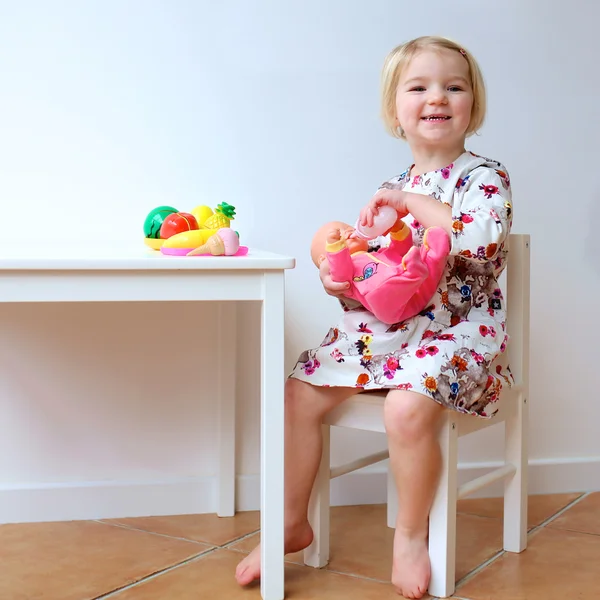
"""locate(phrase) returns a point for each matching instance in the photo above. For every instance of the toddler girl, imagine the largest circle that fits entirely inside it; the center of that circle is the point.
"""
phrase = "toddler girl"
(448, 356)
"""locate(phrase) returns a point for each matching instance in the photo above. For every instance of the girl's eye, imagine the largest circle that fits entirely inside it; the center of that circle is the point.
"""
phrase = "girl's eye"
(455, 88)
(418, 88)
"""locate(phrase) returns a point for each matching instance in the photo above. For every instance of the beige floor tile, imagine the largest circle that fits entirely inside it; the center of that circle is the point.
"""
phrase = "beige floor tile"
(212, 577)
(556, 565)
(247, 544)
(539, 507)
(361, 542)
(583, 516)
(207, 528)
(477, 540)
(80, 559)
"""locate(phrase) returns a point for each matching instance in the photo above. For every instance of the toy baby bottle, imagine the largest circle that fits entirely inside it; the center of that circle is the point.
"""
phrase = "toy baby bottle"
(382, 222)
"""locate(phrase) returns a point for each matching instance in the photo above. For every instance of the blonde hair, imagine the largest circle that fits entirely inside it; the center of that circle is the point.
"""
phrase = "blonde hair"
(397, 60)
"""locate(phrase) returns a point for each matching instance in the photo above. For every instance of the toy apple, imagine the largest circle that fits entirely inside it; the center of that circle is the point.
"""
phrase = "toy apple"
(176, 223)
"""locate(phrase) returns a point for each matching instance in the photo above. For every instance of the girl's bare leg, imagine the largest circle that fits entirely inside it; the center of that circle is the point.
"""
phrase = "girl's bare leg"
(412, 423)
(305, 407)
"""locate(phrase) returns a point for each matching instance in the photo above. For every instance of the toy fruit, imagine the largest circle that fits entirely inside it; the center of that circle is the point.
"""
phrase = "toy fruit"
(223, 216)
(176, 223)
(189, 239)
(154, 243)
(202, 213)
(224, 242)
(155, 219)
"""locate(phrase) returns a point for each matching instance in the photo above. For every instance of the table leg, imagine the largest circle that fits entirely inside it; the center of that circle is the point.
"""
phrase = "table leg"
(226, 402)
(272, 437)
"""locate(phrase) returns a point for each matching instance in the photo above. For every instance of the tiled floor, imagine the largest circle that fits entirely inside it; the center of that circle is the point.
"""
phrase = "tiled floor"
(193, 557)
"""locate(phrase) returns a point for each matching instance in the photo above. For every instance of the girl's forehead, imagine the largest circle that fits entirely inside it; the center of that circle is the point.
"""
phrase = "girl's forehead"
(431, 61)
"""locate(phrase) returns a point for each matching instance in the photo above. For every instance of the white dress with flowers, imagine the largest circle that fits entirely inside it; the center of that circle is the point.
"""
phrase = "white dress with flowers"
(452, 350)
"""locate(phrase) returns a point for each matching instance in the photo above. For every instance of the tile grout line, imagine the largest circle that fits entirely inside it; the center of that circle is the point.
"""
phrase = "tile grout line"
(114, 593)
(466, 578)
(165, 535)
(239, 539)
(560, 512)
(196, 557)
(182, 539)
(471, 574)
(353, 575)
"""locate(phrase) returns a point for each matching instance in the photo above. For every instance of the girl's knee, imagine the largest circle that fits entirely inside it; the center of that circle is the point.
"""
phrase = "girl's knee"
(409, 416)
(293, 393)
(303, 400)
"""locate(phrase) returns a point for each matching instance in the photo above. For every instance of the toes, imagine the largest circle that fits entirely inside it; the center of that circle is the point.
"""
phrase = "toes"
(244, 577)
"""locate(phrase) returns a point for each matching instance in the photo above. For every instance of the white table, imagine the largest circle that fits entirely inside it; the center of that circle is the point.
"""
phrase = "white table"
(134, 273)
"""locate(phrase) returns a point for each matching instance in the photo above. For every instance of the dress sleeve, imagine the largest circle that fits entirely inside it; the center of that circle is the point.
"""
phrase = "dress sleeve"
(481, 214)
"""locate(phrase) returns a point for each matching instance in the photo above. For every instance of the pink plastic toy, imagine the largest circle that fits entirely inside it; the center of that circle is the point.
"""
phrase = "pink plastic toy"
(242, 251)
(224, 242)
(383, 221)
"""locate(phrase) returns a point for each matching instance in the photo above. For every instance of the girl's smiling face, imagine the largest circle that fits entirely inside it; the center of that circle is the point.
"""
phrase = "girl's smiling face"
(434, 98)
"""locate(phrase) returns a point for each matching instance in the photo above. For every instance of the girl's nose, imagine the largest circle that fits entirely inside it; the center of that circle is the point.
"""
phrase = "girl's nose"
(437, 97)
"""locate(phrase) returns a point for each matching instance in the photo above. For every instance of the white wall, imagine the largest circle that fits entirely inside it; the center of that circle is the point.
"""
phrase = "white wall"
(110, 108)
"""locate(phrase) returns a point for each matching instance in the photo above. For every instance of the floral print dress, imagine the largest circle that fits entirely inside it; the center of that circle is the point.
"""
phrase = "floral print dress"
(453, 350)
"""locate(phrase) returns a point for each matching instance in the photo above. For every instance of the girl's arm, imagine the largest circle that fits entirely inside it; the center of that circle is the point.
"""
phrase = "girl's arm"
(425, 209)
(478, 222)
(429, 211)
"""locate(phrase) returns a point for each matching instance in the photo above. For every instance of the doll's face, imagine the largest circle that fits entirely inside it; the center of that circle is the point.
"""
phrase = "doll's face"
(355, 244)
(319, 241)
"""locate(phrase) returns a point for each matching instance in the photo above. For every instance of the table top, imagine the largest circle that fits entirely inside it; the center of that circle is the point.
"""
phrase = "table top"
(117, 256)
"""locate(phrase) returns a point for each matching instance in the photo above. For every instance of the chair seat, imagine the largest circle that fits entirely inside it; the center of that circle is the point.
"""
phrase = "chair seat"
(365, 412)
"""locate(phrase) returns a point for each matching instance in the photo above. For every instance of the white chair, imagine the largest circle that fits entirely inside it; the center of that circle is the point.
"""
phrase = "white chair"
(365, 411)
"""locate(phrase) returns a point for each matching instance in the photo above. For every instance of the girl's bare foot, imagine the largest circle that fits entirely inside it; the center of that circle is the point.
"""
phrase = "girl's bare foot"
(411, 568)
(296, 539)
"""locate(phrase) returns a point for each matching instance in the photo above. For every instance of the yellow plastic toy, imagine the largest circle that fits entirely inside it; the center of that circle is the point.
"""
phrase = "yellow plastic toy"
(202, 213)
(154, 243)
(188, 239)
(222, 217)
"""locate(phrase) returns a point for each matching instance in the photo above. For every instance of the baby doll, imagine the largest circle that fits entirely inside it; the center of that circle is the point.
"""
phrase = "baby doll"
(394, 283)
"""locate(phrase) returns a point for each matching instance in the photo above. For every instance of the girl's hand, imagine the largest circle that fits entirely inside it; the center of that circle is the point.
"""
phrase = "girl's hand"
(333, 288)
(394, 198)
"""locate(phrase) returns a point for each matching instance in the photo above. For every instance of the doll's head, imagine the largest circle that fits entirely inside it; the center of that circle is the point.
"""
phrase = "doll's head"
(319, 241)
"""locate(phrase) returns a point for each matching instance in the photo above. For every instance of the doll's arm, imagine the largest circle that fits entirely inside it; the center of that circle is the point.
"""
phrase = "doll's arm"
(340, 262)
(400, 242)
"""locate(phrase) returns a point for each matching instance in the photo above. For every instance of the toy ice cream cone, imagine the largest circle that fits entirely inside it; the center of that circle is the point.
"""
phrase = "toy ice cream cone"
(224, 242)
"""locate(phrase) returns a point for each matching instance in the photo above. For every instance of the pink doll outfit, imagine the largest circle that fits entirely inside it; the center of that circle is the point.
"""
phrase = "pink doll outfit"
(394, 283)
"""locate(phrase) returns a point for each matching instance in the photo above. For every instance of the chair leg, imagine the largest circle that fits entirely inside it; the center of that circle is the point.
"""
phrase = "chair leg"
(317, 554)
(442, 518)
(515, 488)
(392, 499)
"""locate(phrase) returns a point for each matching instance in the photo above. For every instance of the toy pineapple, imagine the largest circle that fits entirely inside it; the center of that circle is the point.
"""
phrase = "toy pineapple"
(224, 214)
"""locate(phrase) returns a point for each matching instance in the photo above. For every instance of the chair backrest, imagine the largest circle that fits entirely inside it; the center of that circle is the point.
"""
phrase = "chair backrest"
(517, 295)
